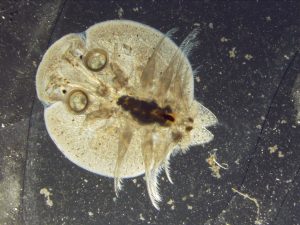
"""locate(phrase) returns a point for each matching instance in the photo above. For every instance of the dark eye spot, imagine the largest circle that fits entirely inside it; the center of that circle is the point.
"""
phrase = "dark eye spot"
(190, 120)
(64, 91)
(168, 117)
(177, 136)
(189, 128)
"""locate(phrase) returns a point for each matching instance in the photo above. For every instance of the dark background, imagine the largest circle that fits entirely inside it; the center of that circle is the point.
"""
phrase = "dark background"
(254, 99)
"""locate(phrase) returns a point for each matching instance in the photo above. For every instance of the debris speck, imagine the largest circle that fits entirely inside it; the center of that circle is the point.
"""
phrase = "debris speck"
(215, 166)
(3, 17)
(191, 196)
(2, 125)
(142, 217)
(268, 18)
(273, 149)
(224, 39)
(248, 57)
(254, 200)
(197, 24)
(283, 122)
(85, 180)
(47, 194)
(134, 181)
(189, 207)
(232, 53)
(211, 25)
(184, 198)
(90, 213)
(286, 57)
(114, 199)
(197, 79)
(170, 202)
(135, 9)
(208, 190)
(120, 12)
(280, 154)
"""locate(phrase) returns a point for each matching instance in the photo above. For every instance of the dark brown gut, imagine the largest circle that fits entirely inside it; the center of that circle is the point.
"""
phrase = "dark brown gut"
(146, 112)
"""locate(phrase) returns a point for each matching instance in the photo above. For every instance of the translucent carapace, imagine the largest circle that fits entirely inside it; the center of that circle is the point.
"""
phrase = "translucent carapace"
(119, 100)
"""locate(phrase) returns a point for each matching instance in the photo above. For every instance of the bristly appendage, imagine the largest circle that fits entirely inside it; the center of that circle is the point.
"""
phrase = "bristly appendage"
(171, 84)
(124, 141)
(190, 42)
(150, 71)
